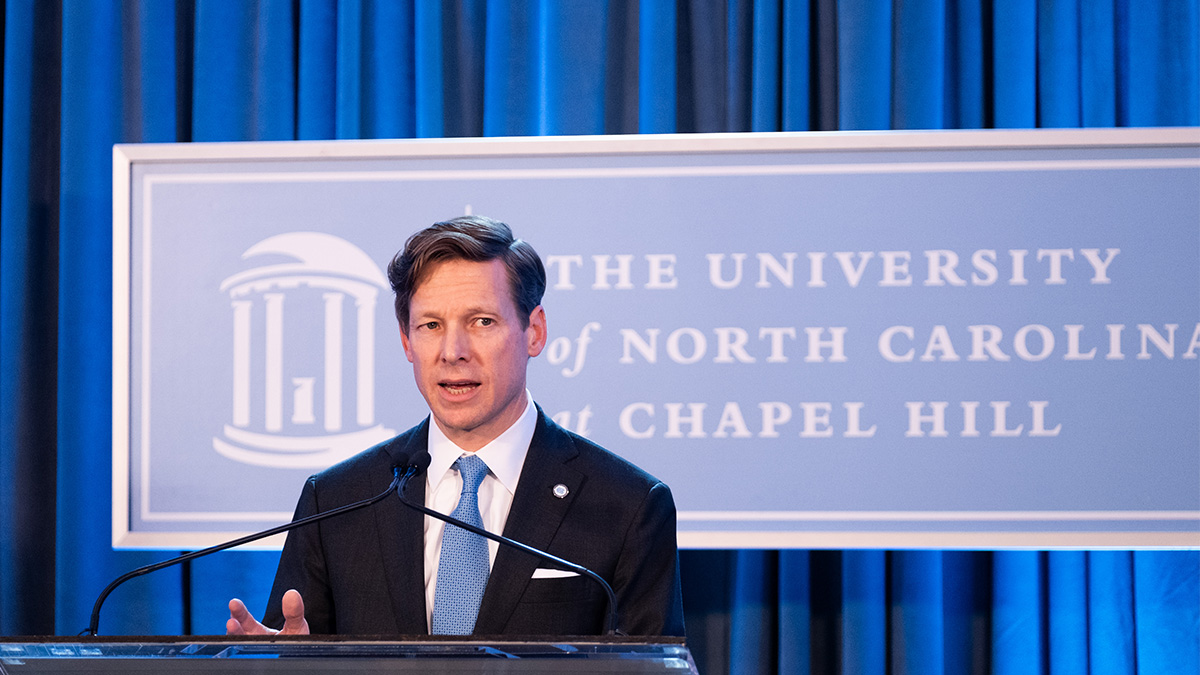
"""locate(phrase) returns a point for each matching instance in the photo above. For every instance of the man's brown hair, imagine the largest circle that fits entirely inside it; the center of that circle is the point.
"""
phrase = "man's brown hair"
(475, 239)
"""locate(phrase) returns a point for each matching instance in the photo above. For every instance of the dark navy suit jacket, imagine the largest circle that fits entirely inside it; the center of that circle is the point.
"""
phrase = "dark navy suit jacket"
(362, 573)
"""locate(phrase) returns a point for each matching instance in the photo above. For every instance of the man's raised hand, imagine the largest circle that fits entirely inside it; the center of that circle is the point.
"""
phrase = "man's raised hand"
(241, 622)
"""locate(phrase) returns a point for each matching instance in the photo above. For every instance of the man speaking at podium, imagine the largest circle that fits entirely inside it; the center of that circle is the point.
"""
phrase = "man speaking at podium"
(468, 300)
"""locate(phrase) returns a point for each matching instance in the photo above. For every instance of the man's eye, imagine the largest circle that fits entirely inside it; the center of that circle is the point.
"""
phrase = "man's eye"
(485, 321)
(429, 325)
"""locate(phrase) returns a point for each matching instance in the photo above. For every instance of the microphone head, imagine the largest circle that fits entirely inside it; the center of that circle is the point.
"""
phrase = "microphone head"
(398, 454)
(413, 467)
(420, 461)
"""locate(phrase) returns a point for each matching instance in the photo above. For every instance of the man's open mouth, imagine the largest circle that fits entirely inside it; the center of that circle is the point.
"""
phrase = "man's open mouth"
(457, 388)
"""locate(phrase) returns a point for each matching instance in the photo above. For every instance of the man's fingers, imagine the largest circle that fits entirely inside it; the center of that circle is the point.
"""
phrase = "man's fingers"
(294, 622)
(241, 622)
(238, 611)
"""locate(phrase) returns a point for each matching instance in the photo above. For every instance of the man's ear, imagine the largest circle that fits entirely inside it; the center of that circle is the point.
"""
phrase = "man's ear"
(535, 335)
(408, 353)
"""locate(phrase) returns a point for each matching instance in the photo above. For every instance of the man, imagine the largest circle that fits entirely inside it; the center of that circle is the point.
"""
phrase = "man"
(468, 301)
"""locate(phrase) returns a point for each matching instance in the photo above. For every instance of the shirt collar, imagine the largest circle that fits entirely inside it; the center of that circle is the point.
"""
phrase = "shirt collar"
(504, 455)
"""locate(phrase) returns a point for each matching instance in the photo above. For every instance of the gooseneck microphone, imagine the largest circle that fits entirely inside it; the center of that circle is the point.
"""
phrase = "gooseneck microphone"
(94, 626)
(417, 466)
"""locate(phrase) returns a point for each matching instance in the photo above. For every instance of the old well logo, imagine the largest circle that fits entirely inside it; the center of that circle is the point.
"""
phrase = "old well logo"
(303, 357)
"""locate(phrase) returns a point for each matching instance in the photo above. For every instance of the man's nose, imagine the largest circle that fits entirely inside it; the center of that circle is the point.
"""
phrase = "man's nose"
(456, 346)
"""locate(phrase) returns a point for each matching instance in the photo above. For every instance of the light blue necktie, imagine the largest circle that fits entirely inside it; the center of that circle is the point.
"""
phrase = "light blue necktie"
(463, 567)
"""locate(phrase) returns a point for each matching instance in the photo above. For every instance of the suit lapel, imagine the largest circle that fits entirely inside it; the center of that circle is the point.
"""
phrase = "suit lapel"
(534, 518)
(402, 537)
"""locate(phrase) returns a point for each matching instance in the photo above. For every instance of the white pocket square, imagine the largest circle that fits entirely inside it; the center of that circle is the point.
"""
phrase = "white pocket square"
(546, 573)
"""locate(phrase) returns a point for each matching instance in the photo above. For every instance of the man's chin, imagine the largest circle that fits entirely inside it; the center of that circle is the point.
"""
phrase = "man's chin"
(456, 422)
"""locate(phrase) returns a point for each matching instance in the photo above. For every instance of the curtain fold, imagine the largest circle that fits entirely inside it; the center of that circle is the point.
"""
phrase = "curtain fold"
(919, 86)
(967, 77)
(796, 70)
(917, 614)
(1166, 585)
(80, 75)
(1058, 76)
(1018, 642)
(1097, 63)
(966, 611)
(28, 296)
(656, 67)
(753, 634)
(316, 70)
(864, 612)
(766, 64)
(1110, 617)
(1163, 50)
(794, 623)
(429, 68)
(1014, 64)
(1067, 611)
(864, 48)
(157, 80)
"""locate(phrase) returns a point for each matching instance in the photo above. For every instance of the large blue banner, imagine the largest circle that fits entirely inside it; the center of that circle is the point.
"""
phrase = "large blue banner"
(949, 339)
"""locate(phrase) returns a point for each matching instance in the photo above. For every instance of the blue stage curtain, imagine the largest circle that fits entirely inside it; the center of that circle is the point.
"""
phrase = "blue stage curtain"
(80, 75)
(92, 119)
(28, 322)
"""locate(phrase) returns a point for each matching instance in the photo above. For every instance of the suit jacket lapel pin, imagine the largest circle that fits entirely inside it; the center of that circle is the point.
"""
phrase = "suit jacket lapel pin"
(560, 491)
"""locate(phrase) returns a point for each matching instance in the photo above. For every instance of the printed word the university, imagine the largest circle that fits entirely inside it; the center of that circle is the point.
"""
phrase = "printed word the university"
(934, 267)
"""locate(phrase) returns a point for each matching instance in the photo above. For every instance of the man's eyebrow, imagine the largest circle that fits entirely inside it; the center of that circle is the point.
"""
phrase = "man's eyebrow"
(433, 314)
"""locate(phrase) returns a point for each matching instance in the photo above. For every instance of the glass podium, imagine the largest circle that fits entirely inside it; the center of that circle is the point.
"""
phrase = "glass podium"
(343, 654)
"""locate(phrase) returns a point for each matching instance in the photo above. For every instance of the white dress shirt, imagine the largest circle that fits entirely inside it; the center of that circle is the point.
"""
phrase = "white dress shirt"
(504, 456)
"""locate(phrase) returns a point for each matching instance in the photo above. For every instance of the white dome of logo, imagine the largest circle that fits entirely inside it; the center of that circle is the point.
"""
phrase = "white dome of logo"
(323, 272)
